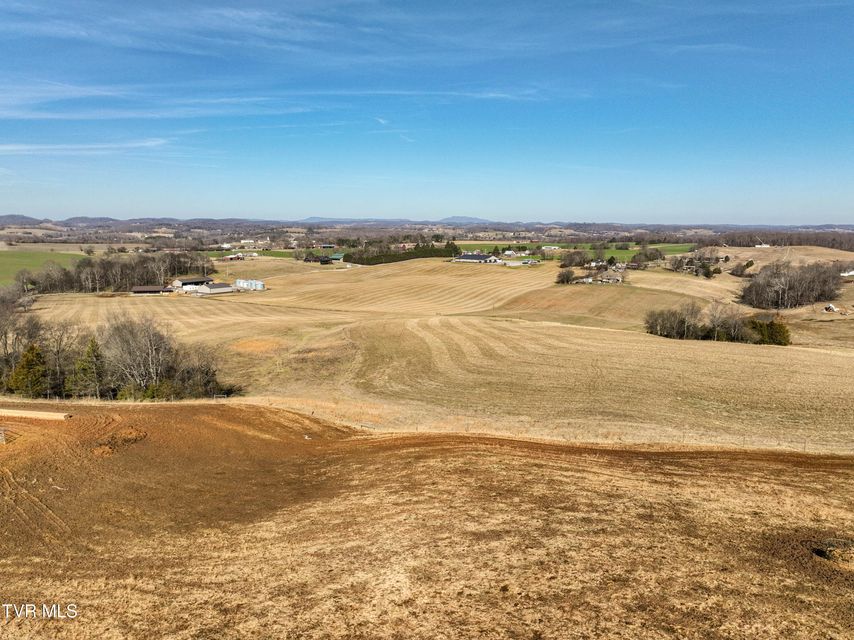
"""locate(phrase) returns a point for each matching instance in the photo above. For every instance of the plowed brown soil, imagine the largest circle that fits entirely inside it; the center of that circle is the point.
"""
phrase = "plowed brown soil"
(234, 521)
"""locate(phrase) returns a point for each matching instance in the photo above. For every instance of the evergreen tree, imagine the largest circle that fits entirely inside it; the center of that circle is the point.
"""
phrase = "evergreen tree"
(88, 378)
(29, 377)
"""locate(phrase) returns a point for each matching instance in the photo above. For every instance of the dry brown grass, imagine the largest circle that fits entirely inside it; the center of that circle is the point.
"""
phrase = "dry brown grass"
(581, 383)
(267, 268)
(615, 307)
(481, 347)
(796, 255)
(243, 520)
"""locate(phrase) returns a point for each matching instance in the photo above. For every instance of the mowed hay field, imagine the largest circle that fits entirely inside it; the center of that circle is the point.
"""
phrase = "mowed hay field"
(428, 344)
(235, 521)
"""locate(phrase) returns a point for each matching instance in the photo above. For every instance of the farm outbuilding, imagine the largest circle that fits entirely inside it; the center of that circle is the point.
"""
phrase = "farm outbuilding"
(483, 258)
(191, 283)
(150, 290)
(212, 288)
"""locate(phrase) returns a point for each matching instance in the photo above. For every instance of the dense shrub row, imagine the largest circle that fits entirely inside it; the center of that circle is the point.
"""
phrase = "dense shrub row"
(648, 254)
(565, 276)
(740, 270)
(721, 322)
(419, 251)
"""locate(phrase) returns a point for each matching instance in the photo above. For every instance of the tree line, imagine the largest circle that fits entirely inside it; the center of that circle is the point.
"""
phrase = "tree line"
(750, 237)
(379, 255)
(113, 272)
(724, 323)
(124, 359)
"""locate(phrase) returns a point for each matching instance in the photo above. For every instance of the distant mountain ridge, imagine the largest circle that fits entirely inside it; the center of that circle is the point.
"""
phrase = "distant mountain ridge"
(92, 222)
(21, 221)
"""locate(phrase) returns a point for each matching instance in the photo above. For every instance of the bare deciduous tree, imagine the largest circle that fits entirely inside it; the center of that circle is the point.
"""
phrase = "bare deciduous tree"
(781, 285)
(140, 353)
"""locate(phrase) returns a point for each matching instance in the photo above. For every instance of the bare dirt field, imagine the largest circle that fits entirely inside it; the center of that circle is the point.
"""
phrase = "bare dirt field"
(237, 521)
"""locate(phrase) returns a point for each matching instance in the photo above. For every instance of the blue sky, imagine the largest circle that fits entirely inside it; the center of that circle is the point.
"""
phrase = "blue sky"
(636, 111)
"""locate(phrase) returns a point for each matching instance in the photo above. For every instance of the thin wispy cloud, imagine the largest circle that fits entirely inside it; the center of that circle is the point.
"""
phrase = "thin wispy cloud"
(56, 101)
(348, 33)
(92, 148)
(17, 93)
(708, 48)
(152, 112)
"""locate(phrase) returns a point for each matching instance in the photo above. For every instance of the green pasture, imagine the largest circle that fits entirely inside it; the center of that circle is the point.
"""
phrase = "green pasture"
(13, 261)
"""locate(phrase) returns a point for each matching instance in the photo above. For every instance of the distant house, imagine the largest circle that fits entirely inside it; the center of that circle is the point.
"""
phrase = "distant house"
(147, 290)
(190, 284)
(847, 274)
(327, 246)
(551, 248)
(484, 258)
(337, 256)
(212, 288)
(606, 277)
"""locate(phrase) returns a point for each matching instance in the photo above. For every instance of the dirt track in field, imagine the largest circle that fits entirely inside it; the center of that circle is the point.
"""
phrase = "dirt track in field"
(231, 521)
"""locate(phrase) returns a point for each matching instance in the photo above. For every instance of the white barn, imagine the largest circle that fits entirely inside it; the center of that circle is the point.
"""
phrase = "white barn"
(212, 288)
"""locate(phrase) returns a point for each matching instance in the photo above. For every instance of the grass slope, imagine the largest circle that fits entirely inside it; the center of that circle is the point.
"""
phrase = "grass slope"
(455, 346)
(13, 261)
